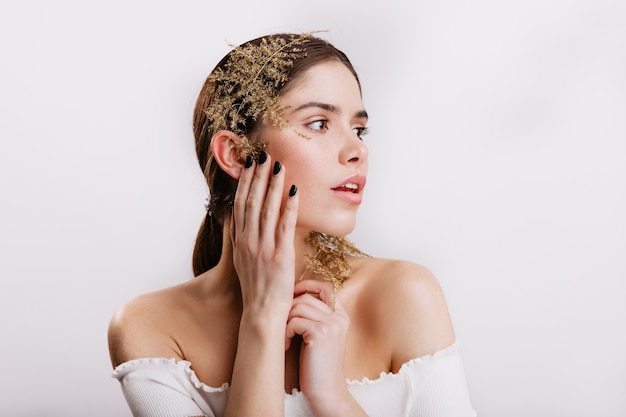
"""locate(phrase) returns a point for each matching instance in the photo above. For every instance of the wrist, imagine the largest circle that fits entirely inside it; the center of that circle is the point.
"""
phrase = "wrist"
(267, 304)
(263, 321)
(340, 403)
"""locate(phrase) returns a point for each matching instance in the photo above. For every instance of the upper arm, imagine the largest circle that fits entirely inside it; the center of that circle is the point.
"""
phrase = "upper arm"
(119, 337)
(417, 313)
(135, 332)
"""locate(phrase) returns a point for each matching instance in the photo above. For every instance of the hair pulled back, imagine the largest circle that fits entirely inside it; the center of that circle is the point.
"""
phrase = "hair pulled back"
(222, 187)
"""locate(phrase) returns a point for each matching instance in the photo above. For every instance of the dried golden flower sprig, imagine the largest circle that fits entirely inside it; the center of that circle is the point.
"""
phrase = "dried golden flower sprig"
(330, 259)
(246, 147)
(247, 86)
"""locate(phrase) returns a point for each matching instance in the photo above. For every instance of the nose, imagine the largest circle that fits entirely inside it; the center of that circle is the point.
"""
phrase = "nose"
(353, 150)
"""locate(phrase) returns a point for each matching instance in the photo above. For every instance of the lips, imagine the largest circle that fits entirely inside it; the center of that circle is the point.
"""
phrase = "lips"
(350, 189)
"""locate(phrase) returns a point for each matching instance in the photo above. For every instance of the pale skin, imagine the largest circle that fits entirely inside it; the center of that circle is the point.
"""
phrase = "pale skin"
(258, 320)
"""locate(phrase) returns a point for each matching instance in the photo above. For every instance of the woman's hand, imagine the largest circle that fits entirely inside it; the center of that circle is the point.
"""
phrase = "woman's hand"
(323, 323)
(262, 232)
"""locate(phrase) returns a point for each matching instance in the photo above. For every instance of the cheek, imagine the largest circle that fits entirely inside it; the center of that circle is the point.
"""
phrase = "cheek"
(299, 163)
(304, 163)
(303, 171)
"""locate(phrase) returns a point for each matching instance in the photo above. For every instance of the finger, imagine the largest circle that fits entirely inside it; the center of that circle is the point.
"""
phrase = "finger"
(309, 330)
(289, 334)
(256, 194)
(314, 310)
(331, 305)
(323, 289)
(285, 231)
(241, 196)
(270, 212)
(310, 299)
(297, 325)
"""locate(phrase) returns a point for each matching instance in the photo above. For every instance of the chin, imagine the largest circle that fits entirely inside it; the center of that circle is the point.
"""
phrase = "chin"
(330, 221)
(338, 227)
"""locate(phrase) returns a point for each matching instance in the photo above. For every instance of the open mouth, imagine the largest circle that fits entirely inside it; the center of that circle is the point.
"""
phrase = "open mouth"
(350, 187)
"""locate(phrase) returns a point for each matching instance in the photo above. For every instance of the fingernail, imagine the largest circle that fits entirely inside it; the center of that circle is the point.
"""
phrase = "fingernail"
(262, 157)
(293, 190)
(248, 161)
(277, 166)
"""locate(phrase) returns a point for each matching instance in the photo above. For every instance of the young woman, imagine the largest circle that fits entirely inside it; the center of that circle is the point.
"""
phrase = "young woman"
(285, 317)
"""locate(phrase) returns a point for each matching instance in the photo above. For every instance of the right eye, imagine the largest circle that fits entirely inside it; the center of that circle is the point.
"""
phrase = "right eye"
(318, 125)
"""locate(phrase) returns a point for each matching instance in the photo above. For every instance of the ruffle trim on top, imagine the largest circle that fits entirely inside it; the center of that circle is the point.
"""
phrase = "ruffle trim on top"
(160, 363)
(407, 366)
(136, 364)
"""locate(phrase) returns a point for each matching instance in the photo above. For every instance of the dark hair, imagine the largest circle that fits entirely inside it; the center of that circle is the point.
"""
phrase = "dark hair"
(222, 187)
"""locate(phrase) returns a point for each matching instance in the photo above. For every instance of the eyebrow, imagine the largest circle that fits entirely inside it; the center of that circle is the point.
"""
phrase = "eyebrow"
(361, 114)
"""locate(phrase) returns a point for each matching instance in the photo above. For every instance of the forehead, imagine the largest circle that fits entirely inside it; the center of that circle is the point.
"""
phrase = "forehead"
(328, 82)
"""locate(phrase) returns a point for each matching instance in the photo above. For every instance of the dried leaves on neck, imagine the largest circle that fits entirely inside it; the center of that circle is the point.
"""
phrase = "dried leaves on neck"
(247, 86)
(330, 259)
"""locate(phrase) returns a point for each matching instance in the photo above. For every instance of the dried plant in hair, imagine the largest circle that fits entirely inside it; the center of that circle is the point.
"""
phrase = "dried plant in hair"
(247, 86)
(245, 147)
(330, 259)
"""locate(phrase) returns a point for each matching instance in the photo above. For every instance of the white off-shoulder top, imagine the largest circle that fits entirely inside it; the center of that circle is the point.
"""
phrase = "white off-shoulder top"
(429, 386)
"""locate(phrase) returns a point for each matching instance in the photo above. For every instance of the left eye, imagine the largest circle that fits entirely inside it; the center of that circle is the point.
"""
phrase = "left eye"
(360, 131)
(319, 125)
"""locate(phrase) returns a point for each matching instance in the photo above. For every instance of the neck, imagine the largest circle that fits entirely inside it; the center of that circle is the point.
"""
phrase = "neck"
(226, 268)
(225, 265)
(303, 252)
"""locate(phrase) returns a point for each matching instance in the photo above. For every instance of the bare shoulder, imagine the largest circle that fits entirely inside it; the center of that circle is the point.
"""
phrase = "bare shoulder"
(139, 329)
(411, 304)
(399, 280)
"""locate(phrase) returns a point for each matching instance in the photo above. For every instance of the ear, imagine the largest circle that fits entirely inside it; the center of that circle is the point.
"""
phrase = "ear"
(225, 147)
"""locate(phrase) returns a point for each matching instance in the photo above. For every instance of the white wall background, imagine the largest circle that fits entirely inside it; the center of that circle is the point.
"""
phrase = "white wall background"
(498, 160)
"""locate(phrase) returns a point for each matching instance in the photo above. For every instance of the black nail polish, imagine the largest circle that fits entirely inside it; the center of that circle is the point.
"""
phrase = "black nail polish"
(248, 161)
(262, 157)
(277, 166)
(293, 190)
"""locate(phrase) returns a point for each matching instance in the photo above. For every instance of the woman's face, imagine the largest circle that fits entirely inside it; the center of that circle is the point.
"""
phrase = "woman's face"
(321, 148)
